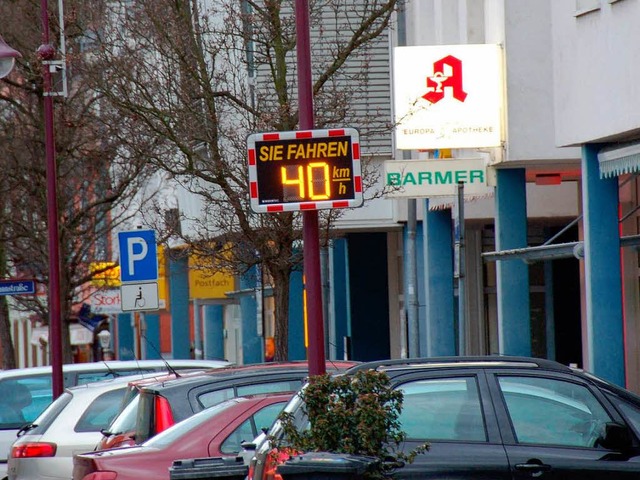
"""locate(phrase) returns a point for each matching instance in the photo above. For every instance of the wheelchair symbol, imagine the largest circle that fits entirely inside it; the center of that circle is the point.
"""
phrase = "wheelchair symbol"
(139, 303)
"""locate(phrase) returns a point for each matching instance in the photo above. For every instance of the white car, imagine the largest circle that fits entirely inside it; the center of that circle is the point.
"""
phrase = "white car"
(69, 425)
(26, 392)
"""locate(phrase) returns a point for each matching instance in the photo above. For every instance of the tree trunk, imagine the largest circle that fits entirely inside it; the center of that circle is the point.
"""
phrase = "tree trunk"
(281, 279)
(8, 352)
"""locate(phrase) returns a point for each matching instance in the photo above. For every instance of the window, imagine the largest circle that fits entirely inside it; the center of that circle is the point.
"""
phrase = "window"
(209, 399)
(250, 428)
(101, 411)
(443, 409)
(553, 412)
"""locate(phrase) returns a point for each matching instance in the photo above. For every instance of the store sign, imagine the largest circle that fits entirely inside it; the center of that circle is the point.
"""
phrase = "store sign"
(433, 178)
(448, 96)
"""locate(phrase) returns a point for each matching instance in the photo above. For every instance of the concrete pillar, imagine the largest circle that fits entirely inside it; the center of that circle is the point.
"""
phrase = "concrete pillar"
(213, 332)
(179, 305)
(124, 341)
(514, 321)
(252, 344)
(152, 336)
(440, 336)
(603, 286)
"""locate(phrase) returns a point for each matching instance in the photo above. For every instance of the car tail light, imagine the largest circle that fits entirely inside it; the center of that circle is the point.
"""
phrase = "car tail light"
(101, 476)
(164, 416)
(274, 458)
(33, 449)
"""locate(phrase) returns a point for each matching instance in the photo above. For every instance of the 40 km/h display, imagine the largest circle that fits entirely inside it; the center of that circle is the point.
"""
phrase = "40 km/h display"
(304, 170)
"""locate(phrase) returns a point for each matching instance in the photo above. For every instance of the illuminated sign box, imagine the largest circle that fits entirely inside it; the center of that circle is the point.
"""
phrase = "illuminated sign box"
(304, 170)
(448, 96)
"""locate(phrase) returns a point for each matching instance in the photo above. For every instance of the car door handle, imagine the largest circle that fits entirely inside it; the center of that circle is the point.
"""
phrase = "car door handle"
(533, 467)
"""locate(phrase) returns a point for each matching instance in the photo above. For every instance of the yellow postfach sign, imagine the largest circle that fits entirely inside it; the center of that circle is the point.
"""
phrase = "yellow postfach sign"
(206, 284)
(105, 274)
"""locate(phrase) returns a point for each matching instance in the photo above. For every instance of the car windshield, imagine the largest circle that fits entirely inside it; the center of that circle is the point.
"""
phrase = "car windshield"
(125, 421)
(168, 436)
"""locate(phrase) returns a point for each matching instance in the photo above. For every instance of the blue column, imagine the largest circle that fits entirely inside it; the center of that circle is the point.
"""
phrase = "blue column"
(339, 294)
(440, 334)
(605, 349)
(213, 332)
(152, 341)
(126, 350)
(252, 344)
(514, 321)
(179, 302)
(297, 350)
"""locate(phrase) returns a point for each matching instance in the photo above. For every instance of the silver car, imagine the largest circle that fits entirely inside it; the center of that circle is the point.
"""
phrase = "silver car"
(71, 424)
(26, 392)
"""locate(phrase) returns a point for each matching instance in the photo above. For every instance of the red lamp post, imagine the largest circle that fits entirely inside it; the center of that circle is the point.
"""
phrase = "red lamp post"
(46, 52)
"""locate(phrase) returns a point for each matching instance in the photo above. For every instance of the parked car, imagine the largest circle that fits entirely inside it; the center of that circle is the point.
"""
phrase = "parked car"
(162, 404)
(36, 388)
(505, 418)
(121, 431)
(214, 432)
(71, 424)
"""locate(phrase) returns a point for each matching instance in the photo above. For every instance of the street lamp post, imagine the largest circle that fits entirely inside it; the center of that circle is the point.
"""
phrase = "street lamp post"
(47, 52)
(7, 58)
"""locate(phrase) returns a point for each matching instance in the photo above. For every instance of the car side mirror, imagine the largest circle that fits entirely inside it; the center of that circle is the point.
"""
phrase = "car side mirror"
(616, 436)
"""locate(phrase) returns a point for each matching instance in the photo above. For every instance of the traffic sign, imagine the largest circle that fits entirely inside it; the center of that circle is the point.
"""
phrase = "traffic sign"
(138, 256)
(139, 296)
(17, 287)
(304, 170)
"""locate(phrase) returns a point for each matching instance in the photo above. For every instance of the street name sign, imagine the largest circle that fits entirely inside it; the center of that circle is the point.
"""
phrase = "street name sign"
(17, 287)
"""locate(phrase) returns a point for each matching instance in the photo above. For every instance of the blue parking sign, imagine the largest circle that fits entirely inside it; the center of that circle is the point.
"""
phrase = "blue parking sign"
(138, 256)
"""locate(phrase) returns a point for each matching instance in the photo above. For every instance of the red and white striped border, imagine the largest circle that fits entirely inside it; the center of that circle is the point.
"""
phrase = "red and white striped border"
(291, 207)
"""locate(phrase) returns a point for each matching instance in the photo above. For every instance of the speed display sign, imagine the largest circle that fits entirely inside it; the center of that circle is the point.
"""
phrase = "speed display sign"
(304, 170)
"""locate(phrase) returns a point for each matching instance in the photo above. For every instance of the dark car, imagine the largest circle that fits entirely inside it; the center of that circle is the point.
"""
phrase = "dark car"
(214, 432)
(163, 404)
(505, 418)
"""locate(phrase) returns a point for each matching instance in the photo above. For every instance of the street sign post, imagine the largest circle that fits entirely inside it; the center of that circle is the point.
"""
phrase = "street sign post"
(138, 270)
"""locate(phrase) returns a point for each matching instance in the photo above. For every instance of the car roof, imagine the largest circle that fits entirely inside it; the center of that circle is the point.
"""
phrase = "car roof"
(116, 365)
(244, 371)
(480, 361)
(112, 383)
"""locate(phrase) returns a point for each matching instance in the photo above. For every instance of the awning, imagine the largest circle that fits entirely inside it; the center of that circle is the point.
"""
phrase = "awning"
(79, 335)
(618, 160)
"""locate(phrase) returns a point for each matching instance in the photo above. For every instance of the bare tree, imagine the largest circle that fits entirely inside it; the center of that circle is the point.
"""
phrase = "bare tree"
(198, 76)
(99, 178)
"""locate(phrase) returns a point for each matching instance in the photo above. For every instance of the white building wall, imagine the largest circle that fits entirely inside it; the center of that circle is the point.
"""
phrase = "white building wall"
(596, 70)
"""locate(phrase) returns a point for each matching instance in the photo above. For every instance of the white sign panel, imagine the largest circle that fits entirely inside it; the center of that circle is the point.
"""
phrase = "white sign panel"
(106, 301)
(433, 178)
(448, 96)
(139, 296)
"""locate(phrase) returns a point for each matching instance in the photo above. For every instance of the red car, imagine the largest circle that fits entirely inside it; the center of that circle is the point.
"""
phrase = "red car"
(214, 432)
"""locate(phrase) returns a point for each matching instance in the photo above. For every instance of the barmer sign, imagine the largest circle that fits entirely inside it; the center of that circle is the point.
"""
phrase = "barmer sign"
(434, 178)
(448, 96)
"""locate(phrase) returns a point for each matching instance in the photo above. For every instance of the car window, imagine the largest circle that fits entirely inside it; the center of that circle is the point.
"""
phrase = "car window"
(271, 387)
(250, 428)
(23, 399)
(47, 417)
(443, 409)
(630, 411)
(171, 434)
(553, 412)
(90, 377)
(209, 399)
(100, 412)
(125, 420)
